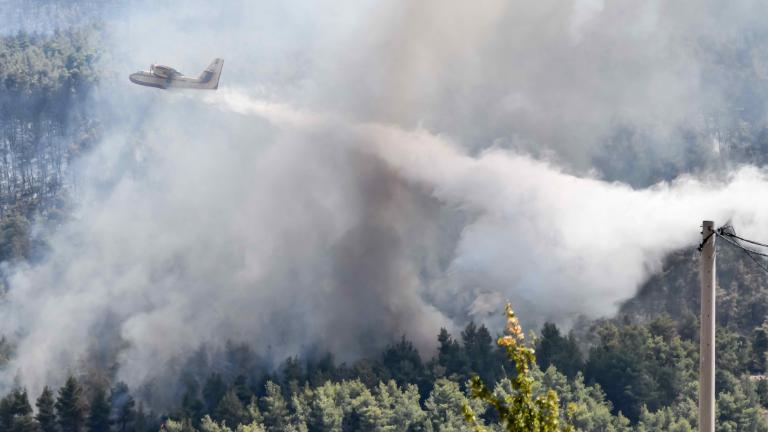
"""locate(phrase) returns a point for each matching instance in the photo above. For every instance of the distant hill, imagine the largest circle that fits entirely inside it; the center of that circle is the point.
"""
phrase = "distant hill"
(47, 16)
(742, 291)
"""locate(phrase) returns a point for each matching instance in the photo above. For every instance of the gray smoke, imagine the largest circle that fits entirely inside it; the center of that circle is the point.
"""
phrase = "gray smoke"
(370, 170)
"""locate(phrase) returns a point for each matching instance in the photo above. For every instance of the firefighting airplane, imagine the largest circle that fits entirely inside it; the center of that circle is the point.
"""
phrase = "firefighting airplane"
(165, 77)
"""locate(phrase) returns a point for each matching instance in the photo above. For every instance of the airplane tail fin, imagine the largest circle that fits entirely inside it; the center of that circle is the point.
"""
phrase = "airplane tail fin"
(210, 76)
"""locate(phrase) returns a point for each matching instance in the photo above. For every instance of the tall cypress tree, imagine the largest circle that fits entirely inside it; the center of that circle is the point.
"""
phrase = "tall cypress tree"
(98, 418)
(71, 407)
(46, 416)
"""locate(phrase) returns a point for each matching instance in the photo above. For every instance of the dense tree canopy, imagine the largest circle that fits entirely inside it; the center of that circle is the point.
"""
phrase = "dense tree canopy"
(636, 377)
(45, 123)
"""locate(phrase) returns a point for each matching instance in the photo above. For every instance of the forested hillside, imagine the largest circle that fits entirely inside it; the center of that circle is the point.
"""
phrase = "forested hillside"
(45, 124)
(742, 291)
(45, 16)
(635, 377)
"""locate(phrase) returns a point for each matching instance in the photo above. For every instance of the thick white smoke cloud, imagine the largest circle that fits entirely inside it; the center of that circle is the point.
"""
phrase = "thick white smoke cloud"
(553, 78)
(370, 176)
(590, 242)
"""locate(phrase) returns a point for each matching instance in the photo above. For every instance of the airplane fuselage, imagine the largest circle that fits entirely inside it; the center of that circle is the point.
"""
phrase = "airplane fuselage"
(164, 77)
(150, 80)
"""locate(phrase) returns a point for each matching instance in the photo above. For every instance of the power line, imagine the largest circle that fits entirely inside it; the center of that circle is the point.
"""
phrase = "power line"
(745, 249)
(748, 241)
(750, 253)
(728, 230)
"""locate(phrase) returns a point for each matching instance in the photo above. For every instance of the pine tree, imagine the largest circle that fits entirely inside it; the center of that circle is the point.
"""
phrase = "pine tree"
(213, 391)
(123, 406)
(400, 409)
(759, 347)
(321, 370)
(325, 413)
(403, 362)
(556, 350)
(16, 412)
(479, 352)
(191, 405)
(253, 413)
(293, 375)
(230, 410)
(6, 412)
(300, 408)
(140, 424)
(98, 418)
(14, 404)
(70, 407)
(185, 425)
(46, 415)
(449, 356)
(21, 406)
(274, 408)
(444, 406)
(125, 414)
(24, 423)
(240, 385)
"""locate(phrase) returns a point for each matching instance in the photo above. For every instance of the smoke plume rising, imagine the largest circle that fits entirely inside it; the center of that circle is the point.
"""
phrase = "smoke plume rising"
(369, 170)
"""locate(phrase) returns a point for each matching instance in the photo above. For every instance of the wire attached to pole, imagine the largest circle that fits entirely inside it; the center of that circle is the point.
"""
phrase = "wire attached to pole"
(703, 242)
(748, 241)
(750, 253)
(728, 231)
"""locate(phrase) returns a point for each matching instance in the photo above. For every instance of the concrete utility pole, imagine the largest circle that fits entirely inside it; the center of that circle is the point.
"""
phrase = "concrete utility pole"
(707, 331)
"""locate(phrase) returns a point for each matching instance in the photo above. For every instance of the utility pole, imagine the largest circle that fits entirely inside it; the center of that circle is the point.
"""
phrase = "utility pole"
(707, 331)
